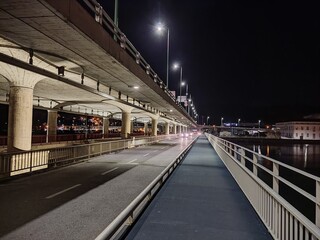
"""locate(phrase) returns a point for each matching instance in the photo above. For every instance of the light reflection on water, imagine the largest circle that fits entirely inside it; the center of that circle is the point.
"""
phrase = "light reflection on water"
(302, 156)
(305, 157)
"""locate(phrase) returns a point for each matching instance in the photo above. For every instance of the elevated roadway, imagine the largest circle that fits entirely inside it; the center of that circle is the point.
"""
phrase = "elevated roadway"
(69, 56)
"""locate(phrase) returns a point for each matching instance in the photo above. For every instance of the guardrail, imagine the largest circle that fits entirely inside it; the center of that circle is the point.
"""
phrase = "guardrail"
(125, 219)
(104, 19)
(12, 164)
(281, 219)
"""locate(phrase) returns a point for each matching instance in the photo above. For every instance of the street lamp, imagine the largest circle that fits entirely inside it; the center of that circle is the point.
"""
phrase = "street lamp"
(208, 120)
(221, 121)
(259, 123)
(160, 28)
(239, 121)
(175, 67)
(190, 103)
(116, 19)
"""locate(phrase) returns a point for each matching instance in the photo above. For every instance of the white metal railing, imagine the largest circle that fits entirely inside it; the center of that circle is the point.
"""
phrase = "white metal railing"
(125, 219)
(283, 220)
(28, 161)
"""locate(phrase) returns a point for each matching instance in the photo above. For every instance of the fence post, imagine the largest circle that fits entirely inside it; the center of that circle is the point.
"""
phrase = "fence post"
(275, 181)
(31, 154)
(318, 203)
(235, 152)
(243, 153)
(255, 162)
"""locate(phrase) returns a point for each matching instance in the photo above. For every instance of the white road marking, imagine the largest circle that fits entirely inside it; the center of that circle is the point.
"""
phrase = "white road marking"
(133, 160)
(163, 148)
(111, 170)
(146, 154)
(128, 163)
(63, 191)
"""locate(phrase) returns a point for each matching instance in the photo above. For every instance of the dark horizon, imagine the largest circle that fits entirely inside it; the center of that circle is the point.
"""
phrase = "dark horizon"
(250, 60)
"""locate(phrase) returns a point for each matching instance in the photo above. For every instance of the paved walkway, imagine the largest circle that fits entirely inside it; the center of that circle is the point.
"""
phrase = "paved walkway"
(200, 201)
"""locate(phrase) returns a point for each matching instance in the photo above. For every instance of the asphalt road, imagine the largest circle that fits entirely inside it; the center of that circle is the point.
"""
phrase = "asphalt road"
(79, 201)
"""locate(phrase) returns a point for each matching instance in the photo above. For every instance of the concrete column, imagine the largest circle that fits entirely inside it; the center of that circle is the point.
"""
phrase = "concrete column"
(105, 128)
(126, 124)
(180, 129)
(154, 127)
(52, 125)
(132, 126)
(146, 128)
(174, 129)
(20, 118)
(166, 128)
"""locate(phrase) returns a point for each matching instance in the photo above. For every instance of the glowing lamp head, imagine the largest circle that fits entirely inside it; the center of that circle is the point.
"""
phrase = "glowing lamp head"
(160, 27)
(176, 66)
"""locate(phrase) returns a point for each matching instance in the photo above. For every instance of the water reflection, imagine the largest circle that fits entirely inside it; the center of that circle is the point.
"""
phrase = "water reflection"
(303, 156)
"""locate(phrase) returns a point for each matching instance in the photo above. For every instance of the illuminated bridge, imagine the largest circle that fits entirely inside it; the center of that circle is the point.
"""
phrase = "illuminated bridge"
(68, 56)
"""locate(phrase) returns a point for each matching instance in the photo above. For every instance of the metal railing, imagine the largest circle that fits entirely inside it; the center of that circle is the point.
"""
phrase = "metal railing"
(282, 220)
(125, 219)
(12, 164)
(96, 10)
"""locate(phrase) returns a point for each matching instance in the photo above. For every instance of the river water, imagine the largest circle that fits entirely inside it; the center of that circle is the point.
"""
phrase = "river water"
(305, 157)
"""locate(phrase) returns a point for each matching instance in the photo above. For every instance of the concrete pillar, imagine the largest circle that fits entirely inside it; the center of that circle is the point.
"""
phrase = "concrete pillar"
(22, 83)
(146, 128)
(174, 129)
(105, 128)
(154, 127)
(132, 127)
(20, 118)
(126, 124)
(166, 128)
(52, 125)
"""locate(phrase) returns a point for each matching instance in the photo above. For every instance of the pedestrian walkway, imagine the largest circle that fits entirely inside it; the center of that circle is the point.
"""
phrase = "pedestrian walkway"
(200, 200)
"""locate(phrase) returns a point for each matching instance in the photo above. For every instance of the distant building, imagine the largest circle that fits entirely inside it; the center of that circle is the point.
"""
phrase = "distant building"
(299, 130)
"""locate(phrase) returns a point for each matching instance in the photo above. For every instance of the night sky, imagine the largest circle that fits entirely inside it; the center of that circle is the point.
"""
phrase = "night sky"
(242, 59)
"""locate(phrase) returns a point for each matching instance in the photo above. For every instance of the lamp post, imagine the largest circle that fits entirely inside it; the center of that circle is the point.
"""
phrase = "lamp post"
(259, 123)
(116, 19)
(182, 85)
(239, 122)
(160, 28)
(221, 121)
(176, 66)
(190, 103)
(208, 120)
